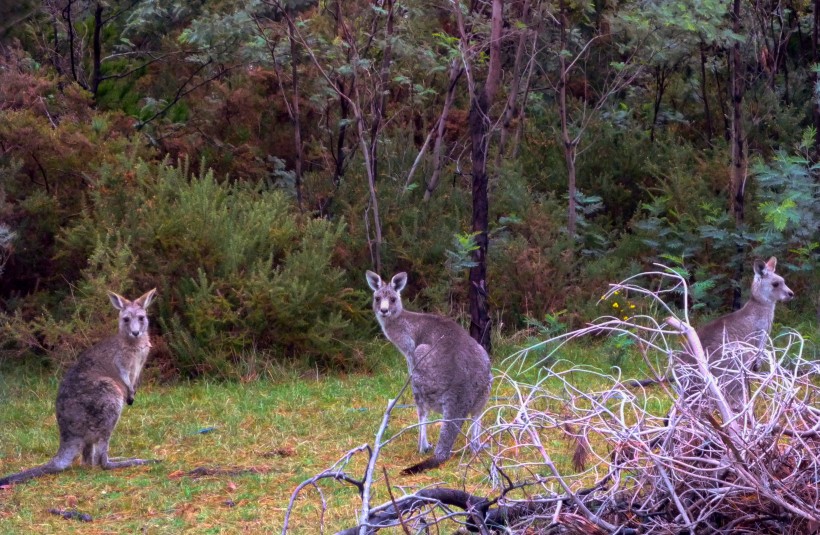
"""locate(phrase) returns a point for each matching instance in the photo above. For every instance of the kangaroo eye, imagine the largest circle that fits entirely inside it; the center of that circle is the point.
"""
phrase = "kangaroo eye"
(141, 318)
(392, 299)
(775, 285)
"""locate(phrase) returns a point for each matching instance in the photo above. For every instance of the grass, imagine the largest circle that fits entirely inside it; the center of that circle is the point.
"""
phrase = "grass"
(266, 436)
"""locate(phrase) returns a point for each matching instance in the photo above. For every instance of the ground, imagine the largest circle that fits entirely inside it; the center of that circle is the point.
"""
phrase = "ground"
(232, 454)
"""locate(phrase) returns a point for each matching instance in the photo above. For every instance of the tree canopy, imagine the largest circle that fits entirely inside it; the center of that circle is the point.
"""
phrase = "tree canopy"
(253, 158)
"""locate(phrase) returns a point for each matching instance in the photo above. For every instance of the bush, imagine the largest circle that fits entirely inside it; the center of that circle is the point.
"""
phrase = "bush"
(238, 271)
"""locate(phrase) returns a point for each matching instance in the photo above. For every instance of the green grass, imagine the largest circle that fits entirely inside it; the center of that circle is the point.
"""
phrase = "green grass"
(280, 432)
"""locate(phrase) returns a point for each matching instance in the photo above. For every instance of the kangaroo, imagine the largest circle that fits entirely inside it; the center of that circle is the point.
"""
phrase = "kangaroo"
(449, 371)
(93, 392)
(750, 326)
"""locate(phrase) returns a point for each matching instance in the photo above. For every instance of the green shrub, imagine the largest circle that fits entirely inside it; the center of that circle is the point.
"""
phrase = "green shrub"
(237, 268)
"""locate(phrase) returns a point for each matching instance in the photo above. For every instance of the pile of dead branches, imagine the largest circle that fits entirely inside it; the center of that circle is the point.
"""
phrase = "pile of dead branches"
(704, 465)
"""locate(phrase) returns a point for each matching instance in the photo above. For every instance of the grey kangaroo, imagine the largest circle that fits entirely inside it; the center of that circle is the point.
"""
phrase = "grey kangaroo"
(93, 392)
(449, 371)
(750, 325)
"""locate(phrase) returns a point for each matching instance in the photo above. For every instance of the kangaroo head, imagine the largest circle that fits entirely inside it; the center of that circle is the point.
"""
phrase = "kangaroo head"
(769, 287)
(386, 297)
(133, 319)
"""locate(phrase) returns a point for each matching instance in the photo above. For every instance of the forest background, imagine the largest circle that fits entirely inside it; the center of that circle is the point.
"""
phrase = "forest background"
(251, 159)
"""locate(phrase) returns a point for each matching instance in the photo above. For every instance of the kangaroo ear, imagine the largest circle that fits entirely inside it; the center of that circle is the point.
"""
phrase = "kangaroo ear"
(119, 302)
(771, 264)
(145, 299)
(399, 281)
(761, 268)
(373, 280)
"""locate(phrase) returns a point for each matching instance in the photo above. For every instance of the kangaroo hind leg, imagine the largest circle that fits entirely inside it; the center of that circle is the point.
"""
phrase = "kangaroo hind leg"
(423, 412)
(475, 426)
(113, 463)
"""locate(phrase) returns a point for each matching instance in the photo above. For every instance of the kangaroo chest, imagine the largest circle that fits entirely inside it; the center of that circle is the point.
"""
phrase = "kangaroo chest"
(400, 334)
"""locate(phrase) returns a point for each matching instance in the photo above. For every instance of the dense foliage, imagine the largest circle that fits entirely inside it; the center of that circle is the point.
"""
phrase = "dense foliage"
(334, 137)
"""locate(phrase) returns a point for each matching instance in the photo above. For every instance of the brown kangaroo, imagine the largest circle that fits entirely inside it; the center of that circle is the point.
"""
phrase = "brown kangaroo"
(93, 392)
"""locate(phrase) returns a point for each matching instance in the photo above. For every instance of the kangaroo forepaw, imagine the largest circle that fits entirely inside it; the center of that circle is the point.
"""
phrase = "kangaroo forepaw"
(130, 400)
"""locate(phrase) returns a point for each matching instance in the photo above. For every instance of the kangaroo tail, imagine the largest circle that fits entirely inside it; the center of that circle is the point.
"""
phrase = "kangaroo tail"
(449, 432)
(49, 468)
(427, 464)
(582, 450)
(648, 382)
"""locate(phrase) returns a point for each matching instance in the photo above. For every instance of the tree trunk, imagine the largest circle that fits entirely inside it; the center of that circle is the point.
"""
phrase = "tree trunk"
(55, 58)
(569, 144)
(96, 69)
(661, 79)
(344, 113)
(512, 96)
(344, 109)
(522, 108)
(70, 29)
(479, 129)
(455, 74)
(295, 118)
(815, 58)
(479, 124)
(378, 104)
(727, 135)
(737, 171)
(705, 95)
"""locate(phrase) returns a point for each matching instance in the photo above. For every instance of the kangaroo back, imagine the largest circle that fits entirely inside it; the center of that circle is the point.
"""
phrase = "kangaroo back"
(449, 371)
(93, 392)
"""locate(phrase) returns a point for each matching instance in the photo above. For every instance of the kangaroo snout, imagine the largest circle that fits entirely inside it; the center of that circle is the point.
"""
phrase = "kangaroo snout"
(789, 295)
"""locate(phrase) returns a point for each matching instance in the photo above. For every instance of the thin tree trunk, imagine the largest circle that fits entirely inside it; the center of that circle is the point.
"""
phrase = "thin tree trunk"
(568, 142)
(727, 134)
(660, 89)
(522, 109)
(372, 212)
(737, 171)
(815, 34)
(705, 95)
(344, 108)
(344, 114)
(55, 59)
(296, 119)
(455, 74)
(96, 69)
(380, 99)
(662, 82)
(512, 97)
(70, 28)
